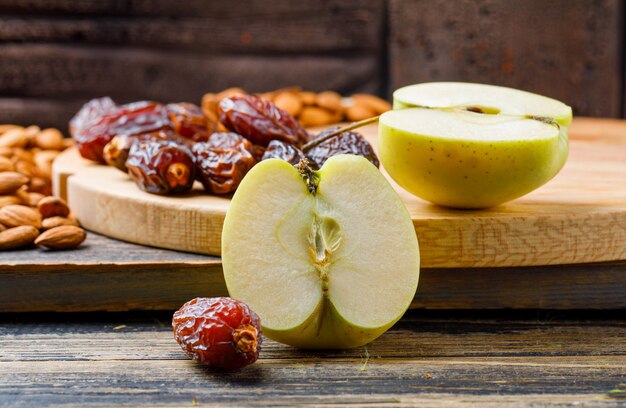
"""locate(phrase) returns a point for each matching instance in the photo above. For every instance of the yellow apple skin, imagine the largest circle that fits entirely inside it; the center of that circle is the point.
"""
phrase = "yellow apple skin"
(469, 174)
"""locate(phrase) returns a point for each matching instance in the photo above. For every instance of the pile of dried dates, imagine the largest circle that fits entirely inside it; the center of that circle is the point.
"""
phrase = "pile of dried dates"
(165, 148)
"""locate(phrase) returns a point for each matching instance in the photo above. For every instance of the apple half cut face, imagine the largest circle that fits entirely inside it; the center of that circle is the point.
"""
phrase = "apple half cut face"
(330, 262)
(491, 99)
(471, 145)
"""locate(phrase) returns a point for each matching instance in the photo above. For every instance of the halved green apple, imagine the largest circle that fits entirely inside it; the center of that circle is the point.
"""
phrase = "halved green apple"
(472, 145)
(328, 260)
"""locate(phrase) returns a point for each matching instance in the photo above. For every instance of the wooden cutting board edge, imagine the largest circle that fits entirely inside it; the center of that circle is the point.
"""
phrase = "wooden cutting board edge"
(448, 238)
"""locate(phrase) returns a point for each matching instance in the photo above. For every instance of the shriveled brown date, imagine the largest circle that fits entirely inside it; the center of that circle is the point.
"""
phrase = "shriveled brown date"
(116, 151)
(100, 120)
(223, 161)
(259, 120)
(278, 149)
(161, 166)
(190, 122)
(343, 143)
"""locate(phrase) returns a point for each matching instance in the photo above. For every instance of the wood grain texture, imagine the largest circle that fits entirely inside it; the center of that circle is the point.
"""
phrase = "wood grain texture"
(242, 27)
(64, 51)
(110, 275)
(127, 74)
(569, 50)
(578, 217)
(422, 361)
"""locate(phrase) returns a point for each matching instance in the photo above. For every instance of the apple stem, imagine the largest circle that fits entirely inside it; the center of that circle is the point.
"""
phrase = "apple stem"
(351, 126)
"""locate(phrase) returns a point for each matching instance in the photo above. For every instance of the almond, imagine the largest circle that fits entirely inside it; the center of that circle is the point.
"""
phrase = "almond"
(374, 103)
(52, 207)
(307, 98)
(227, 93)
(40, 185)
(18, 215)
(18, 237)
(289, 102)
(329, 100)
(6, 151)
(6, 164)
(63, 237)
(53, 222)
(49, 139)
(43, 162)
(14, 138)
(26, 168)
(34, 199)
(4, 128)
(22, 154)
(68, 142)
(22, 194)
(11, 181)
(358, 112)
(30, 133)
(314, 116)
(9, 200)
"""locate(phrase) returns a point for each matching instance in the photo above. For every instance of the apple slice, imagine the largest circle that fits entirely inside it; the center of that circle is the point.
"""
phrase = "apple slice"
(332, 263)
(492, 99)
(472, 145)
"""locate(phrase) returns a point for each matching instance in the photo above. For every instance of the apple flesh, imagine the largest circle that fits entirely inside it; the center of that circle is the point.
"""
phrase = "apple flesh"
(333, 266)
(491, 98)
(472, 145)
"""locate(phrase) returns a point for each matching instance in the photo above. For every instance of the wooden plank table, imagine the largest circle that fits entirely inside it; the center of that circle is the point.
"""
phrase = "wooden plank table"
(428, 359)
(110, 275)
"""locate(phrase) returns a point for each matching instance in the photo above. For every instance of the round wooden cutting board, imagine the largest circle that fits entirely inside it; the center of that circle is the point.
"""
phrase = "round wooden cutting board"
(578, 217)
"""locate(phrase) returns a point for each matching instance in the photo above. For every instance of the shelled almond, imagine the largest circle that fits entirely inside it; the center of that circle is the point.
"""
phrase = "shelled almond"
(28, 213)
(310, 108)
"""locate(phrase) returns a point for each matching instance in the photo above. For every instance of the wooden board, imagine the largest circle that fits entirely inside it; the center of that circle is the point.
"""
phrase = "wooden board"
(110, 275)
(425, 360)
(579, 217)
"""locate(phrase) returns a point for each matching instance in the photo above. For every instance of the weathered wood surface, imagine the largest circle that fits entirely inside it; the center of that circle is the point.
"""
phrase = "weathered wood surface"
(116, 276)
(63, 71)
(569, 50)
(244, 26)
(65, 51)
(425, 360)
(578, 217)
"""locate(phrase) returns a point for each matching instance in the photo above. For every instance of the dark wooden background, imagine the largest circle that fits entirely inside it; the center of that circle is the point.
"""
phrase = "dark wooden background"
(56, 54)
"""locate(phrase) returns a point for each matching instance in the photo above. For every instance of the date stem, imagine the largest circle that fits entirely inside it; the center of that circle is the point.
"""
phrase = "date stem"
(348, 127)
(177, 175)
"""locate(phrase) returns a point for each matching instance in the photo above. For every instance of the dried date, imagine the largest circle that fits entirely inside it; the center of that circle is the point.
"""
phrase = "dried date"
(100, 120)
(116, 151)
(259, 120)
(343, 143)
(189, 121)
(278, 149)
(223, 161)
(161, 166)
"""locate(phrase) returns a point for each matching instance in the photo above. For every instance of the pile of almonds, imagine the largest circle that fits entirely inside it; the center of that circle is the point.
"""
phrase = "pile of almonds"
(28, 213)
(310, 108)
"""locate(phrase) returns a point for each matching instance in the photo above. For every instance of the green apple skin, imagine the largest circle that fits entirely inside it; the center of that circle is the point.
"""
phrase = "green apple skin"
(327, 329)
(323, 325)
(469, 174)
